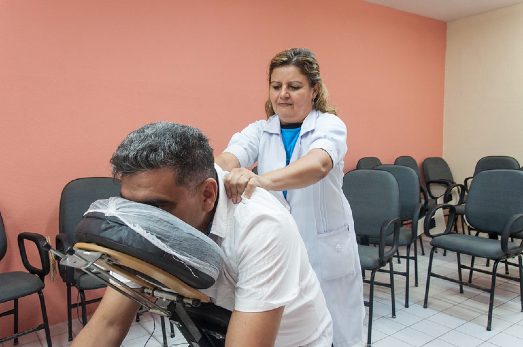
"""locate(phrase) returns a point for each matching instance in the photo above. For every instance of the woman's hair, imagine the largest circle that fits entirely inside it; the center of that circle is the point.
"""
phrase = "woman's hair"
(304, 60)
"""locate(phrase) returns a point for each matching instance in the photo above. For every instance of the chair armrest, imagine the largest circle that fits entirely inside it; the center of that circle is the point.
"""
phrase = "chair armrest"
(447, 197)
(430, 215)
(425, 195)
(466, 183)
(445, 183)
(507, 231)
(415, 218)
(386, 255)
(65, 244)
(40, 243)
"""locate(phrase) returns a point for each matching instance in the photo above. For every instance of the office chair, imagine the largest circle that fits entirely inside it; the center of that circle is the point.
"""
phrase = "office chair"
(494, 205)
(374, 198)
(18, 284)
(368, 163)
(410, 208)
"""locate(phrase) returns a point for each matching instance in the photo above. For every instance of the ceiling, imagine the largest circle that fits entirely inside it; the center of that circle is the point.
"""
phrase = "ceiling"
(446, 10)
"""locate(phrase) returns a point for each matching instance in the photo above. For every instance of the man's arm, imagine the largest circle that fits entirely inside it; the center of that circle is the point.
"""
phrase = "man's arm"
(110, 323)
(254, 329)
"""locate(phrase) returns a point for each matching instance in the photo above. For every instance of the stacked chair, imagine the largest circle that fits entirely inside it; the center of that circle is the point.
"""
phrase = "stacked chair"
(495, 206)
(375, 202)
(368, 163)
(410, 209)
(18, 284)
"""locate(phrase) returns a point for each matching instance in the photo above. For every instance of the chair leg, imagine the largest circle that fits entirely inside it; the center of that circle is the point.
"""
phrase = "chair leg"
(520, 281)
(392, 294)
(46, 322)
(84, 308)
(69, 314)
(506, 267)
(460, 275)
(415, 264)
(371, 307)
(15, 320)
(471, 266)
(407, 279)
(491, 301)
(429, 271)
(398, 256)
(421, 245)
(172, 329)
(164, 334)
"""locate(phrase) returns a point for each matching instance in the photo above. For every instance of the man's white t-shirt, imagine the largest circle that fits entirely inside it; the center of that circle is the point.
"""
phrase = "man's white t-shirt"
(266, 267)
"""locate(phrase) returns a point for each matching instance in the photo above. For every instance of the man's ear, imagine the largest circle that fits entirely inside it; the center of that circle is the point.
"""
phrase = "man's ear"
(209, 189)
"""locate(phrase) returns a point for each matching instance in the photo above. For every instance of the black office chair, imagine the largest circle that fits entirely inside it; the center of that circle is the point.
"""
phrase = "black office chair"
(368, 163)
(374, 199)
(440, 183)
(494, 205)
(76, 198)
(410, 208)
(18, 284)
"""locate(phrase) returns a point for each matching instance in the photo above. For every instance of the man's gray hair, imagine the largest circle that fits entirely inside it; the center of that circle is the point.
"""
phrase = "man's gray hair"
(182, 148)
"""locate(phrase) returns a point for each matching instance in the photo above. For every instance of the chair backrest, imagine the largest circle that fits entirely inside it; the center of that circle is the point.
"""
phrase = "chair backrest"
(495, 163)
(368, 163)
(374, 198)
(408, 161)
(78, 195)
(494, 196)
(3, 238)
(409, 188)
(436, 168)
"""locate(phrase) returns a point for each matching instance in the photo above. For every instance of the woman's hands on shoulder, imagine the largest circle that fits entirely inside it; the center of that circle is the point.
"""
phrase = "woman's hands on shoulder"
(241, 180)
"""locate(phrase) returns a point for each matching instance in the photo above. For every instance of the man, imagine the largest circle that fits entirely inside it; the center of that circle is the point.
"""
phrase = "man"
(266, 282)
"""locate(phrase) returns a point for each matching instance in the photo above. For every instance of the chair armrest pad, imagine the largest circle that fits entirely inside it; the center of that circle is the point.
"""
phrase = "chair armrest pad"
(40, 243)
(432, 212)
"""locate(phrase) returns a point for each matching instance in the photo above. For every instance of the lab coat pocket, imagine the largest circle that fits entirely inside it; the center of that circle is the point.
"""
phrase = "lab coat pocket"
(336, 254)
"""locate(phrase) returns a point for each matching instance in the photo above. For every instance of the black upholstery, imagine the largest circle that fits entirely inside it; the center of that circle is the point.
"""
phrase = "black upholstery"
(18, 284)
(76, 198)
(440, 183)
(374, 199)
(410, 208)
(494, 206)
(368, 163)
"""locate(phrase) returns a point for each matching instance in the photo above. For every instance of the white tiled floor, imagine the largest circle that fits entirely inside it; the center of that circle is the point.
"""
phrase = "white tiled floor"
(451, 319)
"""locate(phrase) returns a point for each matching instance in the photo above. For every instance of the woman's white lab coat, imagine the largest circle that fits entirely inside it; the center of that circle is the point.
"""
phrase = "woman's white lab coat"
(321, 211)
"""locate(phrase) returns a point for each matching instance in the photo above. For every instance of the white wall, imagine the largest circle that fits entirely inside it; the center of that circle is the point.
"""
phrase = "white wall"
(483, 113)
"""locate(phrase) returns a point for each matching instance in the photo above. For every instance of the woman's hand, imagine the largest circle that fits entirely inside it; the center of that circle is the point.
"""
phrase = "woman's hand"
(241, 180)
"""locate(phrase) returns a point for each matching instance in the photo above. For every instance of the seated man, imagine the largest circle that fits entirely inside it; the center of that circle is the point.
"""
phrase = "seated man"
(266, 281)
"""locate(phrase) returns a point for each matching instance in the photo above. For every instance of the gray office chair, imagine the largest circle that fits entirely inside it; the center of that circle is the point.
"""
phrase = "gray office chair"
(368, 163)
(494, 205)
(492, 163)
(374, 199)
(410, 208)
(18, 284)
(428, 203)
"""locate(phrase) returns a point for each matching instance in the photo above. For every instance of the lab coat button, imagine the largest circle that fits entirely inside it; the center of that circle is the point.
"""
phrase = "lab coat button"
(338, 248)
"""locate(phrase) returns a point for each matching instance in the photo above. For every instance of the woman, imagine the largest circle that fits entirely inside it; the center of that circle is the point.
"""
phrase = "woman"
(299, 150)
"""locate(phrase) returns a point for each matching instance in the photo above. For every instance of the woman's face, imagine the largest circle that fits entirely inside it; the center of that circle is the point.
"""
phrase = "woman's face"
(290, 94)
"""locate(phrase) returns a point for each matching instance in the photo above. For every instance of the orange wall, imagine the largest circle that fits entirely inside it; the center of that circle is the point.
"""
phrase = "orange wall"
(77, 76)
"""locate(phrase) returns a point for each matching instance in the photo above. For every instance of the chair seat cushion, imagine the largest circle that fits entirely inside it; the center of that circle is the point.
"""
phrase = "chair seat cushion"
(18, 284)
(369, 257)
(473, 245)
(85, 281)
(404, 239)
(460, 209)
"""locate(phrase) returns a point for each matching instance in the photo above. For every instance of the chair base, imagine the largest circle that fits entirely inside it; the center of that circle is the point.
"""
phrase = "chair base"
(462, 283)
